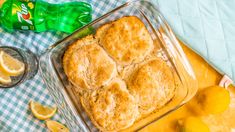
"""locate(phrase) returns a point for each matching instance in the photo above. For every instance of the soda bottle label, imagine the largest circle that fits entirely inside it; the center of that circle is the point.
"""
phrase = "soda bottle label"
(22, 14)
(39, 15)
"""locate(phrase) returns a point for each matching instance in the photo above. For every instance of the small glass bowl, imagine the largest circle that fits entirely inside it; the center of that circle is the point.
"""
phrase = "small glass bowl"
(25, 56)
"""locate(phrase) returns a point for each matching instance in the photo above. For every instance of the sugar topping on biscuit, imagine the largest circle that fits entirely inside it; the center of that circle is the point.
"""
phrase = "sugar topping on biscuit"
(87, 65)
(126, 40)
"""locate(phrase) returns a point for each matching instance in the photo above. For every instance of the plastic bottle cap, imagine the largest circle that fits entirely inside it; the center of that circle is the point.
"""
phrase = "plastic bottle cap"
(1, 2)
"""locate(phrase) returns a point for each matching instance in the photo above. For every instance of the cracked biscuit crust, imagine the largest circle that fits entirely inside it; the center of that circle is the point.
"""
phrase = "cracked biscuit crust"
(111, 108)
(116, 75)
(87, 65)
(152, 85)
(126, 40)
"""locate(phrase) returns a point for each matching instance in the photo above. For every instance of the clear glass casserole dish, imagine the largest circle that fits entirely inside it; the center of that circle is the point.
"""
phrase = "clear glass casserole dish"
(168, 49)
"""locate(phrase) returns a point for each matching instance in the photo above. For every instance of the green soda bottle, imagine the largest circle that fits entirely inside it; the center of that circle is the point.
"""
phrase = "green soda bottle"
(39, 16)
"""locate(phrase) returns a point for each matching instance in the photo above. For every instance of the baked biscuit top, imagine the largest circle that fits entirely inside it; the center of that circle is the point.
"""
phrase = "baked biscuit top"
(126, 40)
(117, 75)
(112, 107)
(152, 85)
(87, 65)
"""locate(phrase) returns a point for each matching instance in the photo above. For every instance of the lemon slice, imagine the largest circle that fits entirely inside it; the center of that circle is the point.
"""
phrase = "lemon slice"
(4, 79)
(42, 112)
(54, 126)
(10, 65)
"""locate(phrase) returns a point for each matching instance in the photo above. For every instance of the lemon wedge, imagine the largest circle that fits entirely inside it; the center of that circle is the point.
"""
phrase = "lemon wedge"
(42, 112)
(10, 65)
(192, 124)
(54, 126)
(4, 79)
(214, 100)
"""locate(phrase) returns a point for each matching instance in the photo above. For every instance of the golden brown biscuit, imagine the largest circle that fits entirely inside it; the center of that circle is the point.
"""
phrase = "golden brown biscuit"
(126, 40)
(75, 46)
(111, 108)
(91, 64)
(87, 65)
(101, 31)
(152, 85)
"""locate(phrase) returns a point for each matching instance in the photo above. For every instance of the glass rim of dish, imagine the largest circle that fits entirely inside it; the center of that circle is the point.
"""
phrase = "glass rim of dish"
(174, 42)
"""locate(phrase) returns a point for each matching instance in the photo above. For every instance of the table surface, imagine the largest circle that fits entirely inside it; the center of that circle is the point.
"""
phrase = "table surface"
(14, 112)
(206, 76)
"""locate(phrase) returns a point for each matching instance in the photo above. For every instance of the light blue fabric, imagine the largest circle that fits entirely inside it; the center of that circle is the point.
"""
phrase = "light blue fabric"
(206, 26)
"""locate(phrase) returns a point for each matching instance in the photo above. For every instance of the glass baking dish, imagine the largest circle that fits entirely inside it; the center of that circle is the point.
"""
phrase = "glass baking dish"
(168, 49)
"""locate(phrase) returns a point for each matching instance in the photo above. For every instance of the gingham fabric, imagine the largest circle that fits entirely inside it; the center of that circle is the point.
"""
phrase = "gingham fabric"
(15, 115)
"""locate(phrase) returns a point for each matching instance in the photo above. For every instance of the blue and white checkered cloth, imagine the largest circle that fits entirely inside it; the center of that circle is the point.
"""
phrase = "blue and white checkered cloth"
(15, 114)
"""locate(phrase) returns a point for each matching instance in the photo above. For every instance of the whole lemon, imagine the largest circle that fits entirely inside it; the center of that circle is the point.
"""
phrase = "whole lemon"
(192, 124)
(213, 100)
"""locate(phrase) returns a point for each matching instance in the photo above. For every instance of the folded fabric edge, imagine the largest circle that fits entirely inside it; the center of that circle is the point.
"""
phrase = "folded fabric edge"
(204, 58)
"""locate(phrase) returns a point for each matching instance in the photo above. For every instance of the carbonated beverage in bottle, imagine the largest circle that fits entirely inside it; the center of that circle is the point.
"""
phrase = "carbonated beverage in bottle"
(39, 15)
